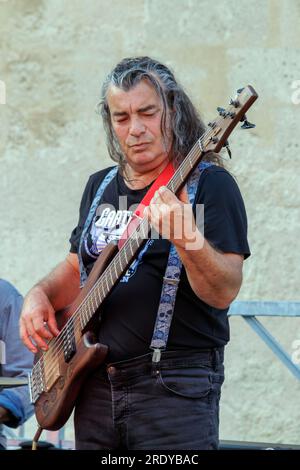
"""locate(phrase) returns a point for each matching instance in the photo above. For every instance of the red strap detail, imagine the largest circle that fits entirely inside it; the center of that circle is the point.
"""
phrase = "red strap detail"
(162, 180)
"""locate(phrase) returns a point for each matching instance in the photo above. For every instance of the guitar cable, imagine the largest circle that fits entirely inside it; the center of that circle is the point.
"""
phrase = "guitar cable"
(36, 438)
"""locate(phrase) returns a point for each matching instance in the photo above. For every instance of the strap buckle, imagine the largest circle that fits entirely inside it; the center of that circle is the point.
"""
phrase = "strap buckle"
(156, 356)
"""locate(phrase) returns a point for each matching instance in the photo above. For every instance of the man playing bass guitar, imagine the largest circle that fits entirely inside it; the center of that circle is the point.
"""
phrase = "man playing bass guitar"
(159, 386)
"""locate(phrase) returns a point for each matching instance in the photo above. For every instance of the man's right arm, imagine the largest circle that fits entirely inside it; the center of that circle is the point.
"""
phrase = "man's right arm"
(55, 292)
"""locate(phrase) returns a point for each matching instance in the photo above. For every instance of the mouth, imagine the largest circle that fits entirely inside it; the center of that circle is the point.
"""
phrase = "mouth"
(139, 147)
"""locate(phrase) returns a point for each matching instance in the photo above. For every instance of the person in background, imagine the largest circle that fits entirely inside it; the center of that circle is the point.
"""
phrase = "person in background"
(15, 361)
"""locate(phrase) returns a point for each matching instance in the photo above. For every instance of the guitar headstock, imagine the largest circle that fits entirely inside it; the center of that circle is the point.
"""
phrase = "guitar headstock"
(219, 129)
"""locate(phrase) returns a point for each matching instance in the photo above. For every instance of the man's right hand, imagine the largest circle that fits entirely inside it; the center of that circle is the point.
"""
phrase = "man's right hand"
(37, 321)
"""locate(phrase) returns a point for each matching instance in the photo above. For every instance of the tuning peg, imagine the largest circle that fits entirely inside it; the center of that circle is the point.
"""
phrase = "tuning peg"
(247, 125)
(234, 103)
(221, 111)
(226, 145)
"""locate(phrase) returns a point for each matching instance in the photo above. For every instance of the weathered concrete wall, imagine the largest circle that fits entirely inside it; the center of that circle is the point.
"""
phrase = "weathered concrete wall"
(54, 55)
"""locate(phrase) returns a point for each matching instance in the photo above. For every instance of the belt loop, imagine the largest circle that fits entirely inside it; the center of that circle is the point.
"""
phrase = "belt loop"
(216, 358)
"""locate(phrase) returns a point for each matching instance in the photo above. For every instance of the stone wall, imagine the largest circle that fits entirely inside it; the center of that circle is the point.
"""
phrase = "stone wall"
(54, 55)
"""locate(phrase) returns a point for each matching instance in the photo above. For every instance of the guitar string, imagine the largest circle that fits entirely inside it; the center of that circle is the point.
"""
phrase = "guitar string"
(56, 345)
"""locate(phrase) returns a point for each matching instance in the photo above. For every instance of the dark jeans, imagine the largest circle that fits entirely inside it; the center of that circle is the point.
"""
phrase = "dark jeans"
(127, 405)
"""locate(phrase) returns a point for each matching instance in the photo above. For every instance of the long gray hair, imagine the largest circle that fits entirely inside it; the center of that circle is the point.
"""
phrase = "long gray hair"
(186, 124)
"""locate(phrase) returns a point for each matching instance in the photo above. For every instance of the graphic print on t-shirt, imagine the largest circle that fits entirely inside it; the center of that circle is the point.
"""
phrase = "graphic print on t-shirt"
(106, 227)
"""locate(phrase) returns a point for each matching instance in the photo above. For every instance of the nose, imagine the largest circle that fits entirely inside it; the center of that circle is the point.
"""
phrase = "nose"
(137, 128)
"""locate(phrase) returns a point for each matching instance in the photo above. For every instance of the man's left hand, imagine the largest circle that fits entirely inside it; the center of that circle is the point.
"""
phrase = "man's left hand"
(173, 218)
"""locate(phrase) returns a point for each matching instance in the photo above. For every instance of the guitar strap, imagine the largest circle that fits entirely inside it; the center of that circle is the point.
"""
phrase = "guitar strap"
(104, 183)
(174, 265)
(170, 283)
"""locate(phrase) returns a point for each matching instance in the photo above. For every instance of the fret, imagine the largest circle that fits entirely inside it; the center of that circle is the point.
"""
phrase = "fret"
(81, 317)
(121, 261)
(133, 244)
(111, 277)
(175, 184)
(76, 323)
(144, 230)
(89, 311)
(107, 286)
(136, 235)
(131, 249)
(180, 173)
(97, 297)
(125, 255)
(101, 293)
(116, 272)
(97, 290)
(115, 267)
(86, 312)
(93, 303)
(81, 320)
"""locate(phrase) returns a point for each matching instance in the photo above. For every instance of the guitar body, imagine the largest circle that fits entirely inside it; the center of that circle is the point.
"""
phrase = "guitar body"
(53, 408)
(55, 404)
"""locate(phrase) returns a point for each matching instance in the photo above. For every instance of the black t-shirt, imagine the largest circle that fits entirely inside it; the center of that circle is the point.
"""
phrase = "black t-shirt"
(129, 312)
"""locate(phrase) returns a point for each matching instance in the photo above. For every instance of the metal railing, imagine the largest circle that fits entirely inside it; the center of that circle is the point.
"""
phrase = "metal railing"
(252, 309)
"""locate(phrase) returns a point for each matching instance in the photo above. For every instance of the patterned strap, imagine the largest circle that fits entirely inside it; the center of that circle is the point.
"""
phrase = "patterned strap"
(171, 280)
(105, 182)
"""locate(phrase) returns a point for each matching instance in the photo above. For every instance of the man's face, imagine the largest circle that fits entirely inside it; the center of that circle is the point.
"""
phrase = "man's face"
(136, 119)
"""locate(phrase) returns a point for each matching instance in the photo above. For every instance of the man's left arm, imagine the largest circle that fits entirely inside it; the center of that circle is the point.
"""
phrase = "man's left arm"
(215, 277)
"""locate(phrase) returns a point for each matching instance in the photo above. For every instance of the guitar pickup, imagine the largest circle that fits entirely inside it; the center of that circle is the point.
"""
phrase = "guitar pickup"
(69, 348)
(69, 343)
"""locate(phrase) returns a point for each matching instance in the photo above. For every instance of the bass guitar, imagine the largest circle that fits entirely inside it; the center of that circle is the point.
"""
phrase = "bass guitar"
(60, 371)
